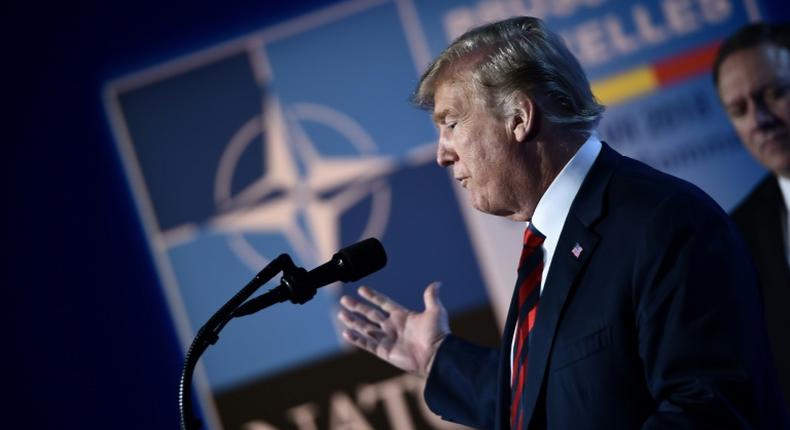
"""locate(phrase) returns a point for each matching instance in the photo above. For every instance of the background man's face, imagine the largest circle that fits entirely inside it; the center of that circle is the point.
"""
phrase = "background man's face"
(754, 86)
(478, 147)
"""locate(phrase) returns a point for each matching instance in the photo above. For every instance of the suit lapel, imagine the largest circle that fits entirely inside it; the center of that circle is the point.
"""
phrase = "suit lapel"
(575, 247)
(770, 246)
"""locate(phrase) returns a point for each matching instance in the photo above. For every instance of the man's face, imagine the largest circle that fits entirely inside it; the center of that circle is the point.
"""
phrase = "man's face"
(754, 86)
(478, 147)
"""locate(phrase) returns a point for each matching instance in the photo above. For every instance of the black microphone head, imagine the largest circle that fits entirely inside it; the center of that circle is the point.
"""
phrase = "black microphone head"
(360, 259)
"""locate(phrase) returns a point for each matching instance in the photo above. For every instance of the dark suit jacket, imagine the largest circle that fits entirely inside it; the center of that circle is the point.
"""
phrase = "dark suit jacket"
(760, 218)
(657, 324)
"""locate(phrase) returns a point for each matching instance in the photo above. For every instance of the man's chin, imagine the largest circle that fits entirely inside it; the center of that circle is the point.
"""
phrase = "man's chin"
(782, 169)
(483, 207)
(504, 213)
(778, 162)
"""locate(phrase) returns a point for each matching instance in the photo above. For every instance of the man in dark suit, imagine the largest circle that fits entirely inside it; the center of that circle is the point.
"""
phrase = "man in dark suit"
(752, 76)
(636, 305)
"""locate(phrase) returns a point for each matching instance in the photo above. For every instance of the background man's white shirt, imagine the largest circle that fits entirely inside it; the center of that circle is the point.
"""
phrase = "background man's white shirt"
(784, 186)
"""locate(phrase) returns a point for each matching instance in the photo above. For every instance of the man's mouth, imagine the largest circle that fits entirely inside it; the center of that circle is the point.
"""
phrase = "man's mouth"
(775, 138)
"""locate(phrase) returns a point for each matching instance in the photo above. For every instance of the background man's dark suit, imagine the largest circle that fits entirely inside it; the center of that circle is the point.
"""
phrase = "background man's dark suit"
(760, 218)
(657, 324)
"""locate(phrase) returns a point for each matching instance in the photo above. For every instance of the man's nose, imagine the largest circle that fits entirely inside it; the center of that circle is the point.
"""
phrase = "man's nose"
(445, 156)
(762, 117)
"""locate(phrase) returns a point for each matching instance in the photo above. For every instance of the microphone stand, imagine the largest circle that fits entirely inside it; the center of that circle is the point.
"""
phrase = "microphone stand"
(294, 285)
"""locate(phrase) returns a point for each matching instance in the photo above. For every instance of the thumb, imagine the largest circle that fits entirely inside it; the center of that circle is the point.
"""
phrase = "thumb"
(431, 296)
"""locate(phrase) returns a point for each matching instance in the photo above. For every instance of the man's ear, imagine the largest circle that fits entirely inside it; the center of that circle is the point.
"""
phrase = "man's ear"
(526, 119)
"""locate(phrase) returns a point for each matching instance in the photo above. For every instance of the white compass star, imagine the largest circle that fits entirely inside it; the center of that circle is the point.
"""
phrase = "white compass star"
(276, 201)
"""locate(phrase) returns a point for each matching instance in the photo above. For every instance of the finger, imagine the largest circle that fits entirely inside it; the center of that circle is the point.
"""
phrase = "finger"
(358, 323)
(349, 303)
(380, 300)
(431, 296)
(369, 341)
(359, 340)
(373, 314)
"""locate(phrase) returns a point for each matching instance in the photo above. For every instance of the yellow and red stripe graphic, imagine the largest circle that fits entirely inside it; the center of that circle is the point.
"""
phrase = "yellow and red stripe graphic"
(642, 80)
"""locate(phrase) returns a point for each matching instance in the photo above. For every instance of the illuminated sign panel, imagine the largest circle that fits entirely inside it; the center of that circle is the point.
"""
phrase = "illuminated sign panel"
(300, 139)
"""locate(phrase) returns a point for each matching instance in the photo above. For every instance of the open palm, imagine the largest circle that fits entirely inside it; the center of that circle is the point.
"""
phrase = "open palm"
(404, 338)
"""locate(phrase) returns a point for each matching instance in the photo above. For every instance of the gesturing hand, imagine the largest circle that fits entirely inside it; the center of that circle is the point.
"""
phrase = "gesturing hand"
(402, 337)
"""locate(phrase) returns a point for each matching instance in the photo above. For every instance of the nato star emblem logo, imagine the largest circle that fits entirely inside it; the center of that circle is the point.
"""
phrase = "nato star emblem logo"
(301, 193)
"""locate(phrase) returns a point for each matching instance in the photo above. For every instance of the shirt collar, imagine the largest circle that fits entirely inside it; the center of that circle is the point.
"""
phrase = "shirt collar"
(784, 187)
(555, 204)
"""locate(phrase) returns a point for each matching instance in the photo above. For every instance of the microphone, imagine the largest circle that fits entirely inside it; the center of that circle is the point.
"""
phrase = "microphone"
(350, 264)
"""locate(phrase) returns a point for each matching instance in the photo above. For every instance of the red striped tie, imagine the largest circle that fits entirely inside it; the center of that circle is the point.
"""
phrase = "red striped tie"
(530, 270)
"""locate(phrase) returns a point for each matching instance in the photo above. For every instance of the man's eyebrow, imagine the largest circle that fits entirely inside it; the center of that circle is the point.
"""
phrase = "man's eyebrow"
(438, 116)
(776, 83)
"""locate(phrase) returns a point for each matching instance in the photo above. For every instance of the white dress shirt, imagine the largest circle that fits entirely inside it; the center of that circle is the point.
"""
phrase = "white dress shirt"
(784, 186)
(554, 206)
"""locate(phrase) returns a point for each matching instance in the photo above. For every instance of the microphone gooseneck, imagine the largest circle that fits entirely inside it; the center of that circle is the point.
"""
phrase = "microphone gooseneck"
(297, 285)
(350, 264)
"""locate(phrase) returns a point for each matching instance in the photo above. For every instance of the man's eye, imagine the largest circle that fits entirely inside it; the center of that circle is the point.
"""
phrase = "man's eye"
(451, 125)
(736, 110)
(775, 93)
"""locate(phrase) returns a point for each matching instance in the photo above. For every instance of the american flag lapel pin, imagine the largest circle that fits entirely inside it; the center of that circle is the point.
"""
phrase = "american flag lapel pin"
(577, 250)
